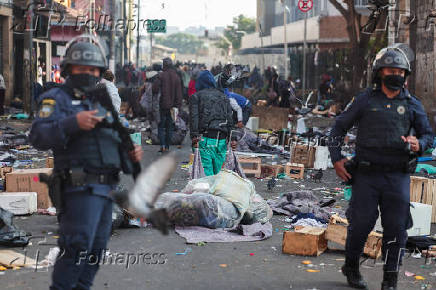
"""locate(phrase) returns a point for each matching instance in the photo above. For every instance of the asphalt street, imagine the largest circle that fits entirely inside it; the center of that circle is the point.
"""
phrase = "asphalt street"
(243, 265)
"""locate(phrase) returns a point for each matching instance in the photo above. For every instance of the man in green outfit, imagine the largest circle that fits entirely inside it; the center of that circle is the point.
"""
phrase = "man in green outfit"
(211, 120)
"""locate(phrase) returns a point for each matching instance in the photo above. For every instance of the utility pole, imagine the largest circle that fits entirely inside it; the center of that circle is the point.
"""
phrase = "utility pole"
(28, 61)
(112, 39)
(285, 41)
(138, 38)
(304, 52)
(151, 48)
(124, 33)
(92, 16)
(261, 47)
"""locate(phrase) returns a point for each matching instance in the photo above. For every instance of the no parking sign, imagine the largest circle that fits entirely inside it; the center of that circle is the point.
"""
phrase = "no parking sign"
(305, 5)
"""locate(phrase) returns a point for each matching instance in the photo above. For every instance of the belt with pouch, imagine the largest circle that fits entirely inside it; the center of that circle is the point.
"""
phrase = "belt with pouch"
(78, 177)
(366, 166)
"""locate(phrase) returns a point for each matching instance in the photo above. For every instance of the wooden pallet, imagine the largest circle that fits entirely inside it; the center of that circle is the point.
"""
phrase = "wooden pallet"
(268, 170)
(251, 165)
(294, 167)
(423, 190)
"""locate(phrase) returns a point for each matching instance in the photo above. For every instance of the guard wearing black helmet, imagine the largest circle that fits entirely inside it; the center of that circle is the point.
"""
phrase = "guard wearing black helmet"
(87, 161)
(392, 129)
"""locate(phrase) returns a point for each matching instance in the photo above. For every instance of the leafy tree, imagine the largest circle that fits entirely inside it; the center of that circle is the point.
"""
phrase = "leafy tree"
(363, 45)
(240, 23)
(183, 42)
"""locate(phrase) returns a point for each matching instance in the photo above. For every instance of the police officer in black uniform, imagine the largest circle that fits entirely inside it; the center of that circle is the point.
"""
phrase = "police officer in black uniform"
(386, 115)
(88, 157)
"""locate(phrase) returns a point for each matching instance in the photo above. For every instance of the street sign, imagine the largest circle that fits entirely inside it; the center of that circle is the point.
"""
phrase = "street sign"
(305, 5)
(156, 25)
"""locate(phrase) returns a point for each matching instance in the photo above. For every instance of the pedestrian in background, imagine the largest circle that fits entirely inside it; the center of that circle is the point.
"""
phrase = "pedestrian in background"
(211, 121)
(170, 86)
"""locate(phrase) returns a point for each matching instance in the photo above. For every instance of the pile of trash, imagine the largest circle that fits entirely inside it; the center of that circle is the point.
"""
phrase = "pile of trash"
(10, 236)
(221, 201)
(303, 208)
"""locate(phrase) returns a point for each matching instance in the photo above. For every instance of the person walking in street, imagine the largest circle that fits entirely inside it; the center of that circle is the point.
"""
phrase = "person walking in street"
(392, 129)
(88, 158)
(170, 86)
(211, 121)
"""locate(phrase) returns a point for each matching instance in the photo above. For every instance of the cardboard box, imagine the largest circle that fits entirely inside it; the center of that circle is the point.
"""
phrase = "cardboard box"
(49, 162)
(337, 232)
(423, 190)
(307, 241)
(27, 180)
(303, 154)
(268, 170)
(295, 170)
(251, 165)
(4, 171)
(19, 203)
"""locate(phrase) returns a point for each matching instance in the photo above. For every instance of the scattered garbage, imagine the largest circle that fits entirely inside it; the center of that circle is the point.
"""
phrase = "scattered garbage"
(187, 250)
(11, 236)
(229, 200)
(296, 202)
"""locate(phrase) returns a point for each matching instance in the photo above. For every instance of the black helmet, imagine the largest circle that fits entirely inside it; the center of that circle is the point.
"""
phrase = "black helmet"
(393, 56)
(84, 53)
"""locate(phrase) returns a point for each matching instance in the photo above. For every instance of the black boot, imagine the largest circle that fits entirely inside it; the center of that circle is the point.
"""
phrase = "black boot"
(389, 280)
(354, 279)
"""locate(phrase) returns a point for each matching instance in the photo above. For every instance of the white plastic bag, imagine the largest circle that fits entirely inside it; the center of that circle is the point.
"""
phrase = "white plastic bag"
(196, 170)
(322, 157)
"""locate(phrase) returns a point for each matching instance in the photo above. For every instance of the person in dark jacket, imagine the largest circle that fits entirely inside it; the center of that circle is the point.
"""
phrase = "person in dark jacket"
(211, 120)
(392, 130)
(170, 86)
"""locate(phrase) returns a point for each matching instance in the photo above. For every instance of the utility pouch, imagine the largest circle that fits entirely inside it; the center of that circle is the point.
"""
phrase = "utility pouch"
(77, 177)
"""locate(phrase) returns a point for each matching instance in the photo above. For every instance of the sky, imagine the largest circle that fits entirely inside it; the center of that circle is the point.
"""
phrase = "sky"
(208, 13)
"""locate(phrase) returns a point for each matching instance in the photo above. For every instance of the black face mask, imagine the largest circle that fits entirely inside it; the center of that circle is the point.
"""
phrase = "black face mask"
(84, 82)
(394, 82)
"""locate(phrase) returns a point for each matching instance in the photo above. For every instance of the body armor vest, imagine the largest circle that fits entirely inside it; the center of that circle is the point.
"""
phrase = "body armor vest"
(380, 128)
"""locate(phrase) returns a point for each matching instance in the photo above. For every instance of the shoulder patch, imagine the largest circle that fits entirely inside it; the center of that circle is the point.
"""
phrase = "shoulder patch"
(47, 108)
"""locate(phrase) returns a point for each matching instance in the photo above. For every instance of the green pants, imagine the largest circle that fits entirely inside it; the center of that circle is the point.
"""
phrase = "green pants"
(213, 154)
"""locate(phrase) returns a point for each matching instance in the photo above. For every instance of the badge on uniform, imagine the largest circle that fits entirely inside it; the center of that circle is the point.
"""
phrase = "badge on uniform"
(47, 108)
(401, 110)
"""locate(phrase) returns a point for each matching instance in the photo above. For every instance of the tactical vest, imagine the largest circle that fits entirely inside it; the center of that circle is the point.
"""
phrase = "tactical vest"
(97, 151)
(380, 128)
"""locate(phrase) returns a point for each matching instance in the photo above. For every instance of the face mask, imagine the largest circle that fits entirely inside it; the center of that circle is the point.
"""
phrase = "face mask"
(84, 82)
(394, 82)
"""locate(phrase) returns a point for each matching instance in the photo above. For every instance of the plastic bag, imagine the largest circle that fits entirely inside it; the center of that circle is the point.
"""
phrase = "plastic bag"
(322, 158)
(10, 236)
(258, 211)
(233, 188)
(196, 171)
(233, 164)
(198, 209)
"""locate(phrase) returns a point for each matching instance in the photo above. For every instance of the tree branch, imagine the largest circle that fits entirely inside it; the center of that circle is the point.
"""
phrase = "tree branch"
(340, 8)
